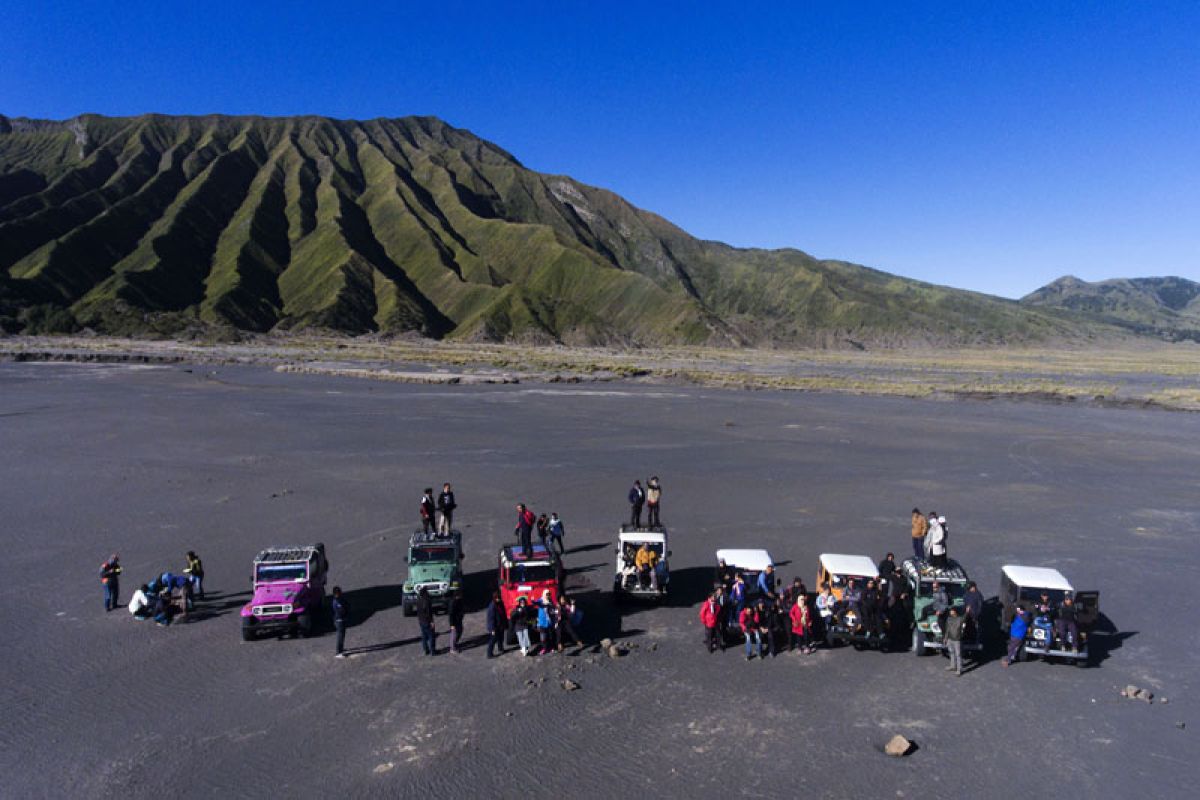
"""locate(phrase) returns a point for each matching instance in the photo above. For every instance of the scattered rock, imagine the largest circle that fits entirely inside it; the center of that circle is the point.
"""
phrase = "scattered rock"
(530, 682)
(384, 767)
(1129, 691)
(898, 746)
(606, 643)
(654, 645)
(1145, 694)
(570, 685)
(1163, 700)
(614, 651)
(1180, 725)
(508, 713)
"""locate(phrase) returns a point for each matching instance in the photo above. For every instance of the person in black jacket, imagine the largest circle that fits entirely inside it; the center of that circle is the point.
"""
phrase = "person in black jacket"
(872, 603)
(425, 620)
(637, 498)
(445, 507)
(521, 620)
(428, 510)
(455, 611)
(341, 611)
(1066, 624)
(497, 623)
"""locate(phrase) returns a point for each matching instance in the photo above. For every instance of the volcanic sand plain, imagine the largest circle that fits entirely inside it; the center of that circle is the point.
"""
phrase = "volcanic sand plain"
(150, 461)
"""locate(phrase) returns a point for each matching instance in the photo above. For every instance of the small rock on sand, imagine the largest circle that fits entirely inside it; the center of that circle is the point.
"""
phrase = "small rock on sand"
(570, 685)
(898, 746)
(614, 651)
(606, 643)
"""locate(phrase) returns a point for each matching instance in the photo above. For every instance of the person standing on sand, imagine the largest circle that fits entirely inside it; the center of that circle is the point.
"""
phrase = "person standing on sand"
(637, 497)
(710, 618)
(195, 572)
(919, 528)
(954, 637)
(341, 611)
(520, 621)
(454, 612)
(497, 623)
(110, 572)
(445, 507)
(1016, 636)
(653, 500)
(427, 511)
(425, 620)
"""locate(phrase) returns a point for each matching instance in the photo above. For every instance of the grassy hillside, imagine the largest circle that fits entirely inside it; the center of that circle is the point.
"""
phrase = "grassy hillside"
(1165, 307)
(164, 224)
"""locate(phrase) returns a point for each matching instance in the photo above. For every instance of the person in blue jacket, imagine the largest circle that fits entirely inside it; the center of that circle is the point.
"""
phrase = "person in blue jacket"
(1016, 635)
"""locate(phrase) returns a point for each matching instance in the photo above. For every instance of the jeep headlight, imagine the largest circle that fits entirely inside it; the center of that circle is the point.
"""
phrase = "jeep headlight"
(455, 585)
(408, 587)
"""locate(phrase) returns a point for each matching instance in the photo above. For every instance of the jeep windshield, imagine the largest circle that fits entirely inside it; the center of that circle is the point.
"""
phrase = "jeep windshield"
(281, 573)
(954, 591)
(1032, 597)
(531, 573)
(426, 555)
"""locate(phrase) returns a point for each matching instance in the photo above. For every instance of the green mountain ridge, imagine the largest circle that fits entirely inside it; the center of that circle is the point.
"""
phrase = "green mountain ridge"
(1167, 307)
(160, 224)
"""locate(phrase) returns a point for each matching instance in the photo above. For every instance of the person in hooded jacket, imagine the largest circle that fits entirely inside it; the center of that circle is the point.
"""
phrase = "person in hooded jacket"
(547, 619)
(710, 618)
(800, 617)
(1016, 636)
(497, 623)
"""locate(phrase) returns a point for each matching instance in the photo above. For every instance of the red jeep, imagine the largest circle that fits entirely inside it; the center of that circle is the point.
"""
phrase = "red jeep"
(528, 576)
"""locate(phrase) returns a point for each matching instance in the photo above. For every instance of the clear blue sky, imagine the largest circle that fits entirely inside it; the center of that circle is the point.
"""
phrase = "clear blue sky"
(990, 146)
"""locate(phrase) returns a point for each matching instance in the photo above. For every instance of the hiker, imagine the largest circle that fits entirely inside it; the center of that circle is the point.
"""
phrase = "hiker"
(954, 637)
(139, 606)
(937, 544)
(710, 618)
(524, 529)
(497, 623)
(195, 572)
(751, 623)
(887, 567)
(163, 611)
(427, 511)
(454, 612)
(110, 572)
(341, 612)
(637, 496)
(800, 631)
(653, 500)
(646, 563)
(543, 530)
(546, 622)
(825, 605)
(556, 530)
(425, 620)
(569, 619)
(766, 581)
(919, 528)
(445, 507)
(520, 621)
(1016, 636)
(1066, 624)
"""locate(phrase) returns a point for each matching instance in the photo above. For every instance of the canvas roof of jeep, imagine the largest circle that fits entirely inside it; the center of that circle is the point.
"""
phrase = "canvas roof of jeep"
(282, 555)
(1037, 578)
(854, 566)
(755, 560)
(512, 554)
(927, 573)
(631, 536)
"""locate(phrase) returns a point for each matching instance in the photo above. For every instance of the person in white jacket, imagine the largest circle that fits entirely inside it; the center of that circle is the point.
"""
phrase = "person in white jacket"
(936, 541)
(139, 606)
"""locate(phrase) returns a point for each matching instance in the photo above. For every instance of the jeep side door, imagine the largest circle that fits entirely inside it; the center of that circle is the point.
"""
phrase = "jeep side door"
(1088, 605)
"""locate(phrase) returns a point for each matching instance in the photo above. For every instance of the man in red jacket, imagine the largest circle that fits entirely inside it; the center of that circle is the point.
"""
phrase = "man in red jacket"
(710, 617)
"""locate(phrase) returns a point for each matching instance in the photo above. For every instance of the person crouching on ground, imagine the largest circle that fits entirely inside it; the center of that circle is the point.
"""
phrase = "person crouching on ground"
(139, 606)
(163, 610)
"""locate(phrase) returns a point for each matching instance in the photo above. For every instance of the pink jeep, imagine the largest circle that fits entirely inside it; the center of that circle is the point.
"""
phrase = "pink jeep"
(289, 591)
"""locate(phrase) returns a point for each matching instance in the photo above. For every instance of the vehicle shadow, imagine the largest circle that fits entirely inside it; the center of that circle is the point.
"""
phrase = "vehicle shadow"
(1104, 639)
(587, 548)
(366, 602)
(690, 586)
(216, 604)
(601, 618)
(375, 648)
(583, 569)
(477, 590)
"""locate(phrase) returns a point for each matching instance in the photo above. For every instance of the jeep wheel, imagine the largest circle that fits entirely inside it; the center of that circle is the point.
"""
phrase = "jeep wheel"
(304, 625)
(918, 646)
(248, 632)
(410, 610)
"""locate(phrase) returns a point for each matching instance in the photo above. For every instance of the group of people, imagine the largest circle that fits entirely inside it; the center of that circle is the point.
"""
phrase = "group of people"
(164, 598)
(770, 623)
(556, 624)
(1063, 617)
(437, 516)
(929, 533)
(648, 497)
(550, 530)
(641, 566)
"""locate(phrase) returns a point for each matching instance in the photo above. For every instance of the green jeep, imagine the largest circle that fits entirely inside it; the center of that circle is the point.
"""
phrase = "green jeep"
(434, 563)
(927, 630)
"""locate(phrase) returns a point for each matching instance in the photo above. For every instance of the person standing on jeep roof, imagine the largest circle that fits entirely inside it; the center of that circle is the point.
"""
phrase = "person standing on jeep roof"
(919, 528)
(954, 637)
(637, 497)
(454, 612)
(445, 507)
(425, 620)
(653, 500)
(110, 572)
(341, 611)
(543, 529)
(710, 617)
(524, 529)
(520, 620)
(497, 623)
(427, 511)
(556, 530)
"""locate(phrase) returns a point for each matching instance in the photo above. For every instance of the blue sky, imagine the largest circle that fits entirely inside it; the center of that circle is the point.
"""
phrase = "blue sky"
(989, 146)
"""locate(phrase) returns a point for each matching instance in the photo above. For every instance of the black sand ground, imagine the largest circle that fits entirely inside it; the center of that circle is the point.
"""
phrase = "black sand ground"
(153, 461)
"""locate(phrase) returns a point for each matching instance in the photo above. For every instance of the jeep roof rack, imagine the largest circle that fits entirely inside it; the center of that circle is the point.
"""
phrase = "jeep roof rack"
(627, 528)
(923, 570)
(513, 554)
(422, 537)
(278, 555)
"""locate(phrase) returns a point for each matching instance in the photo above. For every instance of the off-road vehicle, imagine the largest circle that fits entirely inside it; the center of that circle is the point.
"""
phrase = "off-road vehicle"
(927, 628)
(434, 563)
(1024, 586)
(626, 581)
(289, 591)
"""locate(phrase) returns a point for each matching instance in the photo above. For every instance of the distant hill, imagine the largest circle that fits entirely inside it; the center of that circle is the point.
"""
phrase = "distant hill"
(1166, 307)
(159, 224)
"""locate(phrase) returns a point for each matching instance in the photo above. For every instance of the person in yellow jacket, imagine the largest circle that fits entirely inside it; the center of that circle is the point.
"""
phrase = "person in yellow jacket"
(646, 560)
(920, 526)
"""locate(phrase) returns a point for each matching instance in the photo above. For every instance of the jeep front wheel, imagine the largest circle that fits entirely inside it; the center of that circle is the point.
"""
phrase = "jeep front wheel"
(304, 625)
(918, 645)
(247, 632)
